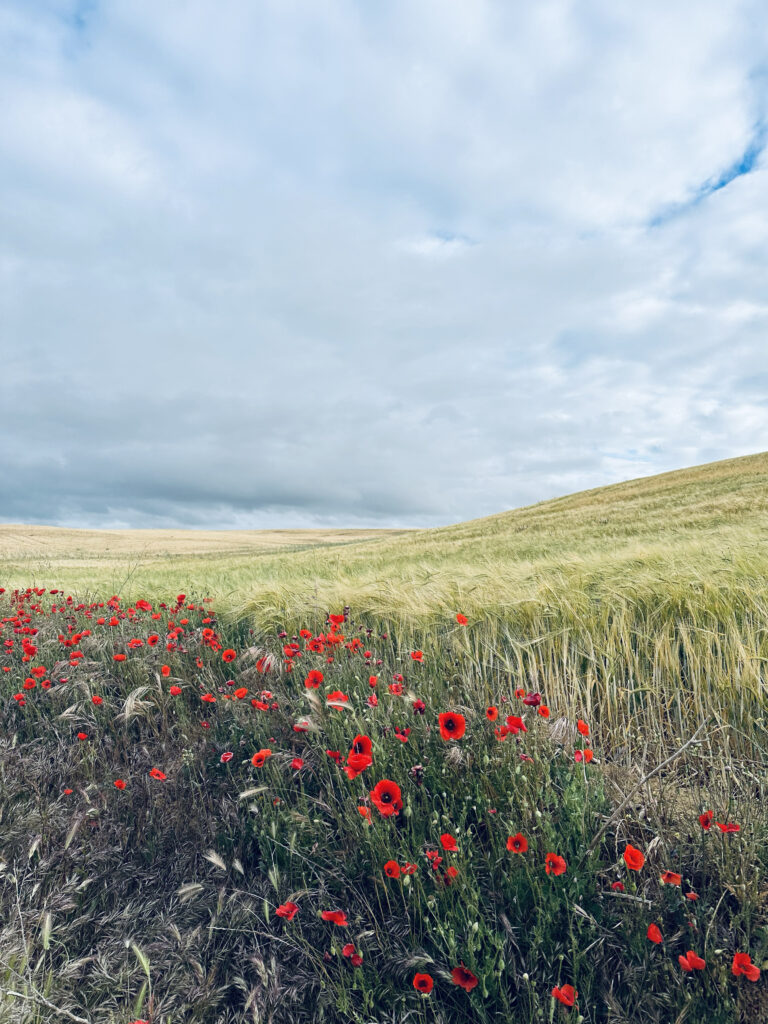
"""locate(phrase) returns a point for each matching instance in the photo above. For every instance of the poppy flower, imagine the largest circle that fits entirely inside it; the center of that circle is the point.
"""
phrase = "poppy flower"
(228, 655)
(543, 710)
(554, 864)
(566, 994)
(357, 763)
(260, 757)
(119, 784)
(654, 934)
(337, 697)
(287, 910)
(492, 714)
(396, 689)
(226, 757)
(618, 887)
(82, 736)
(583, 755)
(314, 679)
(452, 725)
(451, 873)
(175, 691)
(519, 692)
(582, 726)
(515, 724)
(392, 869)
(464, 978)
(705, 820)
(633, 858)
(462, 621)
(419, 707)
(241, 692)
(532, 700)
(118, 657)
(517, 844)
(691, 895)
(372, 681)
(409, 869)
(742, 964)
(730, 827)
(297, 763)
(157, 774)
(387, 797)
(417, 655)
(448, 843)
(348, 949)
(97, 700)
(338, 917)
(691, 962)
(671, 878)
(423, 983)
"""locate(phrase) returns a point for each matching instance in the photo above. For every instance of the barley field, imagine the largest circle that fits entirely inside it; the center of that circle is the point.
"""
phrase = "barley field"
(510, 770)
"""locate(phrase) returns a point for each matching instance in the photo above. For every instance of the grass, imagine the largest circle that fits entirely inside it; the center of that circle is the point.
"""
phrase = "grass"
(639, 608)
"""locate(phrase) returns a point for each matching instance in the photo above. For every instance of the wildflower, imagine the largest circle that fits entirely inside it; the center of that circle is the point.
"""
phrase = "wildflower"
(97, 700)
(157, 774)
(287, 910)
(119, 784)
(742, 964)
(82, 736)
(492, 714)
(396, 689)
(451, 873)
(566, 994)
(260, 757)
(519, 692)
(372, 681)
(423, 983)
(671, 878)
(555, 864)
(543, 710)
(228, 655)
(515, 724)
(691, 962)
(175, 691)
(462, 619)
(338, 917)
(654, 934)
(337, 697)
(730, 827)
(633, 858)
(386, 795)
(409, 869)
(314, 679)
(517, 844)
(452, 725)
(583, 755)
(208, 698)
(582, 726)
(448, 843)
(705, 820)
(532, 700)
(419, 707)
(464, 978)
(417, 655)
(226, 757)
(392, 869)
(241, 692)
(348, 949)
(691, 895)
(118, 657)
(618, 887)
(297, 763)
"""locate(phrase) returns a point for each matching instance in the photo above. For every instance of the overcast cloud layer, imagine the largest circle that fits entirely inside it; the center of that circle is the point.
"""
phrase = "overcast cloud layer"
(275, 263)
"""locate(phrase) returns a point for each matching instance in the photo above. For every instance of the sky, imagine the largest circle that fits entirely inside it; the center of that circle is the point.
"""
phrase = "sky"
(273, 264)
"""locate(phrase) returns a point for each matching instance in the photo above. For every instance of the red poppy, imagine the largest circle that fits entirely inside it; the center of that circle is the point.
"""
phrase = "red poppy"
(492, 714)
(584, 755)
(241, 692)
(543, 710)
(464, 978)
(287, 910)
(671, 878)
(157, 774)
(228, 655)
(582, 726)
(314, 679)
(372, 681)
(97, 700)
(297, 763)
(423, 983)
(396, 689)
(82, 736)
(519, 692)
(705, 820)
(451, 872)
(387, 797)
(357, 763)
(118, 657)
(618, 886)
(448, 842)
(730, 827)
(742, 964)
(566, 994)
(417, 655)
(654, 934)
(532, 700)
(260, 757)
(462, 619)
(452, 725)
(691, 895)
(517, 844)
(392, 869)
(175, 691)
(633, 858)
(691, 962)
(515, 724)
(119, 784)
(555, 864)
(226, 757)
(338, 917)
(337, 697)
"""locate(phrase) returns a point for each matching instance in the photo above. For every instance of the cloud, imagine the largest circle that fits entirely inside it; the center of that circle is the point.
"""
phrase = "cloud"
(350, 264)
